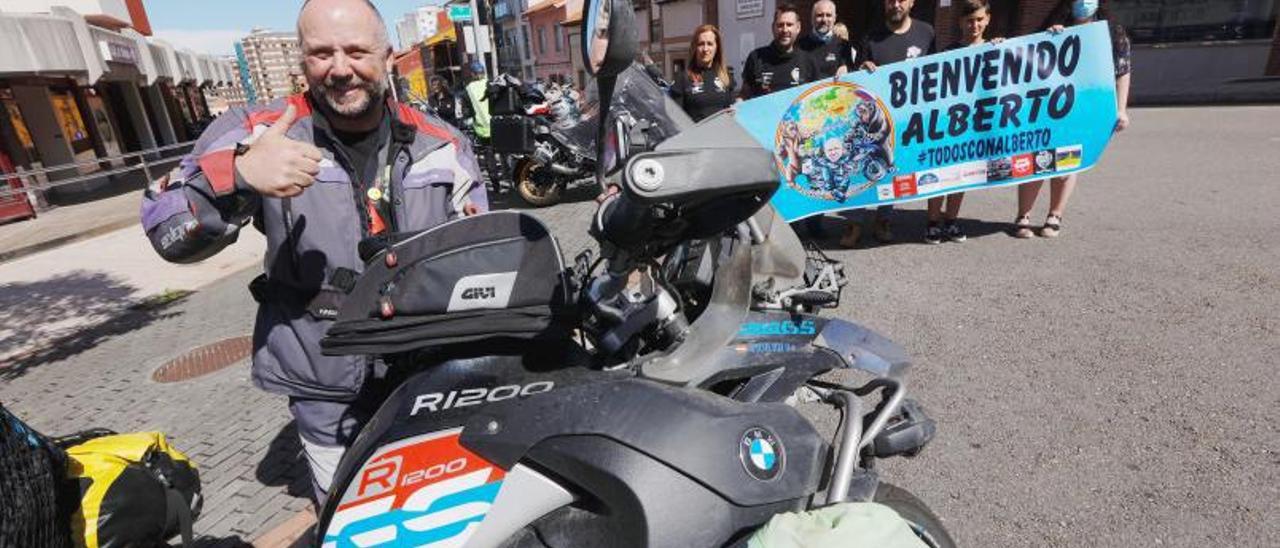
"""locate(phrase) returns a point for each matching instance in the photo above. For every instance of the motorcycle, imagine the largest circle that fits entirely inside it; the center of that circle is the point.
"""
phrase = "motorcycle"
(658, 408)
(562, 152)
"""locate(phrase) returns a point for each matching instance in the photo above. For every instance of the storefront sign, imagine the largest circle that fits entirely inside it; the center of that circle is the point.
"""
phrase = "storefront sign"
(747, 9)
(118, 51)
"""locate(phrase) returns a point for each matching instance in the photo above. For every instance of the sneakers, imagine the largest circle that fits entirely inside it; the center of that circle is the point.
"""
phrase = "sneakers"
(933, 233)
(852, 233)
(1022, 228)
(936, 232)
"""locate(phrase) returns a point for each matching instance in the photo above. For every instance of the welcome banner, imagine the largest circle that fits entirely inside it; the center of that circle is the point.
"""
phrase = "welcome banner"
(980, 117)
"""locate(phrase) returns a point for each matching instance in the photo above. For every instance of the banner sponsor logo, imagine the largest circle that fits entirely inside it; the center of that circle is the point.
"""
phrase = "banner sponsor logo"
(1069, 157)
(1045, 162)
(1023, 166)
(904, 185)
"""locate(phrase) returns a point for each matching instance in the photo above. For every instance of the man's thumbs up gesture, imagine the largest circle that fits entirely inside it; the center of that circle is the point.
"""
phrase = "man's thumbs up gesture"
(278, 166)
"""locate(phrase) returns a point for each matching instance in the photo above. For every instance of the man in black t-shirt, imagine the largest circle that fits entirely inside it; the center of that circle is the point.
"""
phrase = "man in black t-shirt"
(901, 38)
(833, 55)
(779, 65)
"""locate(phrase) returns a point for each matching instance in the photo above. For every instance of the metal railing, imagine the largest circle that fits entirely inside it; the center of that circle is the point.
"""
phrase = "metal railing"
(30, 182)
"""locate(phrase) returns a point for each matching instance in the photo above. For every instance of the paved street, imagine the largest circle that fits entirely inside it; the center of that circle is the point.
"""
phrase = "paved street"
(1113, 387)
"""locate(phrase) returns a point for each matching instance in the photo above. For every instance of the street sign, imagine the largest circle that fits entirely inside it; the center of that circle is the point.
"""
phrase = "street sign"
(459, 13)
(476, 40)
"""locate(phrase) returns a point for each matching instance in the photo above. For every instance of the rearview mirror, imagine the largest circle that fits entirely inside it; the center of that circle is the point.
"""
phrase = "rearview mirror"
(608, 37)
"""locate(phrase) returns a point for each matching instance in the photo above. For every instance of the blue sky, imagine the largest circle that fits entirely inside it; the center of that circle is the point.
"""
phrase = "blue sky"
(212, 27)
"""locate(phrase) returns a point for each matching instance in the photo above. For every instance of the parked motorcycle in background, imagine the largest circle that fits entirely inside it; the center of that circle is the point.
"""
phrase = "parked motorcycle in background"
(552, 145)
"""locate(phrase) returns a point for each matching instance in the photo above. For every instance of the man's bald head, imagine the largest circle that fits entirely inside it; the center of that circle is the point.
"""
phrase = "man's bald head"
(338, 9)
(824, 16)
(346, 58)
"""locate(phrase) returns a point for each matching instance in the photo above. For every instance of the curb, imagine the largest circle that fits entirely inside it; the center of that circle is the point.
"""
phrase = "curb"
(64, 240)
(295, 531)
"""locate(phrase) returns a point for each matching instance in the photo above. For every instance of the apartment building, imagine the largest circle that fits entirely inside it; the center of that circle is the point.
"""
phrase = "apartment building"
(273, 60)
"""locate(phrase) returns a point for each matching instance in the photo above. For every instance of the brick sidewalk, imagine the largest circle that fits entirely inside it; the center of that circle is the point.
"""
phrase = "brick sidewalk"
(242, 439)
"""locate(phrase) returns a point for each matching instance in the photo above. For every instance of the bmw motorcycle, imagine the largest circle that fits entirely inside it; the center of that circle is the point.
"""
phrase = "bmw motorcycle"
(656, 406)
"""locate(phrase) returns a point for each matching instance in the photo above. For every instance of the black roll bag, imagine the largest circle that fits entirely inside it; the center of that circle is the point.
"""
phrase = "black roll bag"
(493, 276)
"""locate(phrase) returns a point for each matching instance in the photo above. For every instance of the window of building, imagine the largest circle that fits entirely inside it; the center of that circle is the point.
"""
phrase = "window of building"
(556, 39)
(1157, 21)
(542, 40)
(524, 34)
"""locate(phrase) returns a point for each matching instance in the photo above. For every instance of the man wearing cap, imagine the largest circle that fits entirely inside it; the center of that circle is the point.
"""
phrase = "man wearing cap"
(475, 89)
(316, 172)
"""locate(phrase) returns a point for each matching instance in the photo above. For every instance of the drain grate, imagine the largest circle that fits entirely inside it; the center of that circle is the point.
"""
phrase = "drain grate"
(204, 360)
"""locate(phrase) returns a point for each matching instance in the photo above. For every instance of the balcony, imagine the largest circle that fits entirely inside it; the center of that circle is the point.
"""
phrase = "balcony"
(506, 10)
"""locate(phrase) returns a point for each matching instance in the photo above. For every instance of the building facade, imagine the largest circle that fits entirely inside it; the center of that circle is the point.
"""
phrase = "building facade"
(671, 23)
(224, 95)
(274, 62)
(515, 56)
(82, 84)
(416, 26)
(550, 39)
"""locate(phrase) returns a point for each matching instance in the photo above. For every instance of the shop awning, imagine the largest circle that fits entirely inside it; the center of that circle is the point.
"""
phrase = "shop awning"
(42, 43)
(446, 35)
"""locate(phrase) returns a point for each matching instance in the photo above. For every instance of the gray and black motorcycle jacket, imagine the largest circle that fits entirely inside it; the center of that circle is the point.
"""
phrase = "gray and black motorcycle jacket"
(200, 207)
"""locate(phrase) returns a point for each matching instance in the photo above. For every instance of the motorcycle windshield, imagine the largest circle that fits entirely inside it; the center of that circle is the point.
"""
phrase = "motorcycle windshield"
(636, 94)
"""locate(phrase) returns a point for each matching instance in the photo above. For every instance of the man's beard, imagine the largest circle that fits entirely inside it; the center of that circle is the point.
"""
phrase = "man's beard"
(898, 17)
(373, 93)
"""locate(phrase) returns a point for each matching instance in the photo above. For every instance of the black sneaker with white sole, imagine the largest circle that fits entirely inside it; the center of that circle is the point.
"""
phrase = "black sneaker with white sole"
(954, 233)
(933, 234)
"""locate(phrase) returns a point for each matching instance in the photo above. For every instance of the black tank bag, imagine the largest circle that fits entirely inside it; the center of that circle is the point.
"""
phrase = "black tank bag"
(493, 276)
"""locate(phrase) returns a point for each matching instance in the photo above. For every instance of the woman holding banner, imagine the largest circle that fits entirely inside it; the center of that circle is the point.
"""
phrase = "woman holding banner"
(1075, 12)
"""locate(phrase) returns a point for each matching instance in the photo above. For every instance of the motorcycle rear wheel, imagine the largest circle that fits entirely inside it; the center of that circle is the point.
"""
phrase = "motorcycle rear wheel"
(923, 521)
(537, 189)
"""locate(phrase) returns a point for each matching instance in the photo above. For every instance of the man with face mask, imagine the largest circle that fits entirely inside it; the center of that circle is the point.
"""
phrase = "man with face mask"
(833, 55)
(779, 65)
(316, 172)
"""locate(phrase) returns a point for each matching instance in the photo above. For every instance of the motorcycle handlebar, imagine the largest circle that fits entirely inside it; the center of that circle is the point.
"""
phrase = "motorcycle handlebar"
(623, 222)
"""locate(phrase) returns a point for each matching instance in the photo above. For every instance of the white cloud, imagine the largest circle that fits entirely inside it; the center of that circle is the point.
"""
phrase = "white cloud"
(217, 42)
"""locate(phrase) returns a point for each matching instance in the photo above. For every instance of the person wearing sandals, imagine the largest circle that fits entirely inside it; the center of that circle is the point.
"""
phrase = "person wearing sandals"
(975, 15)
(1075, 12)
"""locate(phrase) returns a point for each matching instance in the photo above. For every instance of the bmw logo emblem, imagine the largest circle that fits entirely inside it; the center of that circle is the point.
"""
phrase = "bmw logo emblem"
(761, 454)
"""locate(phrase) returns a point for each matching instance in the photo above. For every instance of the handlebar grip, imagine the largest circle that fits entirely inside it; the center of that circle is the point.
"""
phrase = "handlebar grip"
(623, 222)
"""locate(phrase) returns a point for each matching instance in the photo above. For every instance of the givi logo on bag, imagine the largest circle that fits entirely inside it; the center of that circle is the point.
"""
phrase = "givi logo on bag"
(482, 291)
(479, 293)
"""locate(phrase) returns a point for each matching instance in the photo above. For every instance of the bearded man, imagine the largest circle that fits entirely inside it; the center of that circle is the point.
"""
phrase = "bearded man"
(316, 172)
